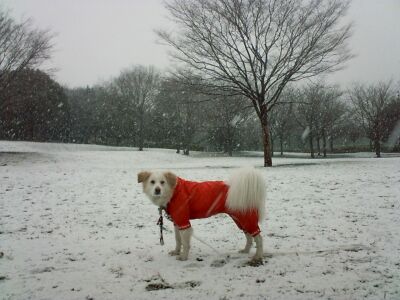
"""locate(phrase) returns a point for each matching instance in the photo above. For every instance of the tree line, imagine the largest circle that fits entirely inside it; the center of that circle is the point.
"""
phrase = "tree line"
(142, 108)
(243, 62)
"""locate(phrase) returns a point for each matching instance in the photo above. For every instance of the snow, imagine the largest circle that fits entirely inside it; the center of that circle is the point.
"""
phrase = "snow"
(75, 225)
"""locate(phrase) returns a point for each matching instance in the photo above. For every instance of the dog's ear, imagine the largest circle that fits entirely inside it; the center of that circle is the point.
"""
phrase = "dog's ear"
(171, 178)
(142, 176)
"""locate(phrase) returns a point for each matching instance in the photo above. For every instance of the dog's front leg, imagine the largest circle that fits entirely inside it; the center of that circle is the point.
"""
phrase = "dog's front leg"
(178, 241)
(185, 234)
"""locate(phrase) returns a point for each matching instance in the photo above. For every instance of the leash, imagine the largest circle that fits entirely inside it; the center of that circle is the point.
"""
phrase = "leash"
(201, 241)
(160, 222)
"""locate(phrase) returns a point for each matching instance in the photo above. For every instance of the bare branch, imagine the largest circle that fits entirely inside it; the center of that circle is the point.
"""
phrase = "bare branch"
(21, 46)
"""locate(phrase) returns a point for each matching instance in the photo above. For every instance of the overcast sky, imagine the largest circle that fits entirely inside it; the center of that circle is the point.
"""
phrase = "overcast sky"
(95, 39)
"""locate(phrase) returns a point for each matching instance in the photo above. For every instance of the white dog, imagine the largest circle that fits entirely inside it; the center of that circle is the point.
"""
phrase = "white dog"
(242, 197)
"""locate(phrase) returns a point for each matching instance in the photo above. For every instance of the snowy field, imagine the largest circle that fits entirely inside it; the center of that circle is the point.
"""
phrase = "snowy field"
(74, 224)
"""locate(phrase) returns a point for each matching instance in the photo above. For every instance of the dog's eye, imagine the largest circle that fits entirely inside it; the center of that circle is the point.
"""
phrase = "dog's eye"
(162, 181)
(152, 182)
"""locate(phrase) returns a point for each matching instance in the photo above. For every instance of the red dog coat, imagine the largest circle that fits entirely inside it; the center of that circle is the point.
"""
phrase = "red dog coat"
(197, 200)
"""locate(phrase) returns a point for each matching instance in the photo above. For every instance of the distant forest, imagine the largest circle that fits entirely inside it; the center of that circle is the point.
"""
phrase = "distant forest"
(143, 107)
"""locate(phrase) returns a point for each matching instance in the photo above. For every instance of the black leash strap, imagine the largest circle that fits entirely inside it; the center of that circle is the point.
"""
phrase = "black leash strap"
(161, 224)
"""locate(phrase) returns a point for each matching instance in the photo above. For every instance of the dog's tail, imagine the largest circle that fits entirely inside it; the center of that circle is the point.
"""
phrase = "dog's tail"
(247, 191)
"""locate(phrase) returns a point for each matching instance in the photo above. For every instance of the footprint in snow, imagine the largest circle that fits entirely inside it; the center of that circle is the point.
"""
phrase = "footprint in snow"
(158, 283)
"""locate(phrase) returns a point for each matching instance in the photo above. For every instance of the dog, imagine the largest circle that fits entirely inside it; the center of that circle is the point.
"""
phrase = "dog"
(242, 197)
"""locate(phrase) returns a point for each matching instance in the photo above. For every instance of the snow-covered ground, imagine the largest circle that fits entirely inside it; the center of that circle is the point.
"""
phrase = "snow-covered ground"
(74, 224)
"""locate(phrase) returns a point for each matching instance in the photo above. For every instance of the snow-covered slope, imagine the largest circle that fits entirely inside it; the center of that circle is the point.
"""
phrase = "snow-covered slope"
(74, 224)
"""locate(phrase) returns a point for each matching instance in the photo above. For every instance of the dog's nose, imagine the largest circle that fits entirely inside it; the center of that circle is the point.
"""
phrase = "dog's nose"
(157, 191)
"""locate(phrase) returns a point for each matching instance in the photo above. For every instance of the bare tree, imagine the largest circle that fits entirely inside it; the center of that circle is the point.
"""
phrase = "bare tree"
(308, 112)
(319, 112)
(282, 119)
(330, 115)
(168, 115)
(138, 86)
(188, 117)
(21, 46)
(349, 128)
(370, 104)
(256, 47)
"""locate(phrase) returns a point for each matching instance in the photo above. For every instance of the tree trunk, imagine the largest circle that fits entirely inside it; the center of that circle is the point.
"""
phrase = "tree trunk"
(229, 147)
(266, 138)
(377, 146)
(140, 142)
(318, 146)
(281, 142)
(311, 145)
(324, 142)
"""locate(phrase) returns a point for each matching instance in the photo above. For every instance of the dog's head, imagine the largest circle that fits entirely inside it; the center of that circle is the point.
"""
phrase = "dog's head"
(158, 186)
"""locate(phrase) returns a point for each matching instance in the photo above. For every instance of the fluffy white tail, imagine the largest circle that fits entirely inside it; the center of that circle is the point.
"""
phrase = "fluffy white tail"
(247, 190)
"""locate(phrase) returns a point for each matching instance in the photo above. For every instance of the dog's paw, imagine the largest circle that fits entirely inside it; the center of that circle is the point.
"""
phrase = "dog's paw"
(174, 252)
(246, 251)
(256, 262)
(181, 258)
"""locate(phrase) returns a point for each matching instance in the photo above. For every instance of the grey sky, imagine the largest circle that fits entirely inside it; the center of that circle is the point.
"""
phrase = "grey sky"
(97, 38)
